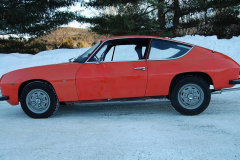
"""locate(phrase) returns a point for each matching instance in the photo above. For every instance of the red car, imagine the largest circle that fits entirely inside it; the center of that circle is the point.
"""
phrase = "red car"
(124, 68)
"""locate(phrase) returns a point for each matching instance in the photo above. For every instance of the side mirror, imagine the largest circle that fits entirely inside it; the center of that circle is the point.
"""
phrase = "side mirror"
(98, 62)
(71, 60)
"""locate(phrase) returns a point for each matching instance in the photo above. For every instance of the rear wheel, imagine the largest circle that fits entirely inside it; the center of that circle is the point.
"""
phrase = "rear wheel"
(38, 100)
(190, 95)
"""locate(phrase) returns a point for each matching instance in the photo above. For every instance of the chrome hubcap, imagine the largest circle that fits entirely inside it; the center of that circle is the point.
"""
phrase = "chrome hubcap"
(38, 101)
(191, 96)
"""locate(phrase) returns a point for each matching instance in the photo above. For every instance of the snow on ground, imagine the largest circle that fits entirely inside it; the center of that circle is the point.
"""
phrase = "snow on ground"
(150, 130)
(122, 130)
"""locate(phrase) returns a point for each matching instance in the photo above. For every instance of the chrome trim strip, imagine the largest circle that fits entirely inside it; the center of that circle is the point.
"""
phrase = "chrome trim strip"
(118, 61)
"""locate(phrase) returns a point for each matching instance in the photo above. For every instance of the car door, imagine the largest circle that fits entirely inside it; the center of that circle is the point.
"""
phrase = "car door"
(120, 75)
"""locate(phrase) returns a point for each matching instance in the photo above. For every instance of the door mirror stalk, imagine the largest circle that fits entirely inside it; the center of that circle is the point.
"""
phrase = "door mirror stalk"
(98, 62)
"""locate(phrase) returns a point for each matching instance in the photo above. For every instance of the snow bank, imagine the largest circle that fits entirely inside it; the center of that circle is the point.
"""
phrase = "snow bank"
(13, 61)
(229, 47)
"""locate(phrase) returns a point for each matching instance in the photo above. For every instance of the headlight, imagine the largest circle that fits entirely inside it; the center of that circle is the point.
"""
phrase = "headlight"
(1, 78)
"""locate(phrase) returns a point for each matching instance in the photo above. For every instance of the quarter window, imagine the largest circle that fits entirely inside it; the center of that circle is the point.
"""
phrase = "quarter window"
(164, 50)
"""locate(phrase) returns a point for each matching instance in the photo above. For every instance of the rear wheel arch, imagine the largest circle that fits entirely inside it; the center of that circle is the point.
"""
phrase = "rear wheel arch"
(202, 75)
(190, 95)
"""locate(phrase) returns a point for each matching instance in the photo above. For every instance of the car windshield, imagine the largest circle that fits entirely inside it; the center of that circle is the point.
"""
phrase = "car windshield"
(82, 58)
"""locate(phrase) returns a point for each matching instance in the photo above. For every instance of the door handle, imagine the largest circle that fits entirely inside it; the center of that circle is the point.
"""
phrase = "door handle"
(142, 68)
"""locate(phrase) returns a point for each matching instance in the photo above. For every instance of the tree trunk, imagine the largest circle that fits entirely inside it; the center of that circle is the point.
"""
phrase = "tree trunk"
(176, 16)
(176, 13)
(161, 14)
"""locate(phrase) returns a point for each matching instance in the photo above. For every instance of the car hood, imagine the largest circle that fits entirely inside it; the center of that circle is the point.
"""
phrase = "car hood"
(48, 72)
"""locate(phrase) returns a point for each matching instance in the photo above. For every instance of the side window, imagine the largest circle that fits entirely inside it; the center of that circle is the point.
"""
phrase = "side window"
(125, 53)
(163, 50)
(121, 50)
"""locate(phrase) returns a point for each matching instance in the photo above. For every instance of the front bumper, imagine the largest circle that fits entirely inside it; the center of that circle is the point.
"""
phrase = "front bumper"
(3, 98)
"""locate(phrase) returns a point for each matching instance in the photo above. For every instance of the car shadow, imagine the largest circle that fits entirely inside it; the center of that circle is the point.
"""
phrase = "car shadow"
(117, 108)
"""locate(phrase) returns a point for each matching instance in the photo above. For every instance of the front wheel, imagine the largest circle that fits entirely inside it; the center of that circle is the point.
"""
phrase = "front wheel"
(190, 95)
(38, 100)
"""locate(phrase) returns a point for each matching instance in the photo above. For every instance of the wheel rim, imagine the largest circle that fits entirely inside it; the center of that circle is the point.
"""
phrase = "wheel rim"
(38, 101)
(191, 96)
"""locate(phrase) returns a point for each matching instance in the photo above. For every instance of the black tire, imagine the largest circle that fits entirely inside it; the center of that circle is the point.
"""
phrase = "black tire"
(39, 100)
(190, 95)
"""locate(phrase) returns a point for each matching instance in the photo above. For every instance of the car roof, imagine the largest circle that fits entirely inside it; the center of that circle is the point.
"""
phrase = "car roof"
(144, 36)
(132, 36)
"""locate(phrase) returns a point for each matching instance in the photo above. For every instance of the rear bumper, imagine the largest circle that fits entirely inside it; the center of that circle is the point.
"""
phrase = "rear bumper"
(227, 89)
(234, 82)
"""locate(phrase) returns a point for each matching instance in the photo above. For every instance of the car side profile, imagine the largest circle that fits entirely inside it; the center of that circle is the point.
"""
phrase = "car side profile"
(124, 68)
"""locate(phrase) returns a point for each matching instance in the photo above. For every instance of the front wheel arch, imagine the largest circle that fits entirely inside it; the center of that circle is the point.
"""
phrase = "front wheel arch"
(30, 81)
(39, 100)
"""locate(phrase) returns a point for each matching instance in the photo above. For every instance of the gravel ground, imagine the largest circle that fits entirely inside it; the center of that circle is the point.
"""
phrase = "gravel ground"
(124, 130)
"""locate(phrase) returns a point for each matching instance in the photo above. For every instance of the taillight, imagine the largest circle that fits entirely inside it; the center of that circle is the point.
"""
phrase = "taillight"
(0, 86)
